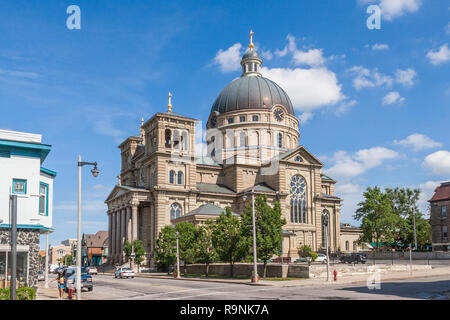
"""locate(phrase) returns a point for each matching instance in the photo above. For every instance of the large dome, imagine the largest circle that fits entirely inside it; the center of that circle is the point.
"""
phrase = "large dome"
(251, 92)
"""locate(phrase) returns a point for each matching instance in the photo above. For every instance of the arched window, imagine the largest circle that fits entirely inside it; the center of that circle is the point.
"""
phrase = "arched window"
(168, 138)
(176, 139)
(347, 246)
(354, 246)
(175, 210)
(298, 199)
(298, 159)
(172, 177)
(180, 177)
(280, 140)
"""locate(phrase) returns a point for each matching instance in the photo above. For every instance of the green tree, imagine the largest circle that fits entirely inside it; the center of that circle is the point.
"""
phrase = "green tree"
(139, 251)
(404, 205)
(379, 223)
(187, 242)
(165, 249)
(205, 251)
(304, 251)
(268, 225)
(67, 260)
(228, 240)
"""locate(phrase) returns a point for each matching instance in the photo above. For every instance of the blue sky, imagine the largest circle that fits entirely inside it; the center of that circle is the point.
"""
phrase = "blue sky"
(374, 104)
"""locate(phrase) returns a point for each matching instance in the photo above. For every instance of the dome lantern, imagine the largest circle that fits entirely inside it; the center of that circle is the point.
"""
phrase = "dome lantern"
(251, 62)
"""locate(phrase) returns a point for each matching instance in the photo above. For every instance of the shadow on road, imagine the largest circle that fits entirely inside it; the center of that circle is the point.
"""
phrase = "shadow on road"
(434, 290)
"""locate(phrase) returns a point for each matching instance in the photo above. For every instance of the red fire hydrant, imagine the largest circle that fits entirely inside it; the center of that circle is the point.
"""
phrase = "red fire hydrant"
(335, 275)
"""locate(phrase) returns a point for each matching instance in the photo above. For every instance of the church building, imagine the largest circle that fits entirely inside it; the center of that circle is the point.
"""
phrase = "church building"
(253, 145)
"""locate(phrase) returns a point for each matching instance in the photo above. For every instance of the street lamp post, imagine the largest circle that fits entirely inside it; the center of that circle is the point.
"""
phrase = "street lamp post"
(178, 256)
(94, 172)
(255, 263)
(325, 223)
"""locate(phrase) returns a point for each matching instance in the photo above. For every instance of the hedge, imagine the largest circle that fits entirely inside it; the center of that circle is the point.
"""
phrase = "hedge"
(23, 293)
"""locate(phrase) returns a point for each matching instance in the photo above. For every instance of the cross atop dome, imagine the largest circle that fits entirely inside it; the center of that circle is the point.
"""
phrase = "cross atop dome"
(250, 45)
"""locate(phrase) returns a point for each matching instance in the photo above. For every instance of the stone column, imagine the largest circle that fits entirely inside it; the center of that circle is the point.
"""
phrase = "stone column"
(117, 231)
(109, 236)
(113, 237)
(128, 224)
(122, 233)
(134, 220)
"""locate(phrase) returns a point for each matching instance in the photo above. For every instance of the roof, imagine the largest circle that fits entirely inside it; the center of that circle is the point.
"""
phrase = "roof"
(254, 92)
(214, 188)
(171, 113)
(29, 149)
(262, 187)
(208, 209)
(96, 240)
(325, 177)
(206, 160)
(441, 193)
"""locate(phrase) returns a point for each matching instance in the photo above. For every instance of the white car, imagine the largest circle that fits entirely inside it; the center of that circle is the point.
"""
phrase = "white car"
(92, 270)
(321, 258)
(52, 268)
(124, 273)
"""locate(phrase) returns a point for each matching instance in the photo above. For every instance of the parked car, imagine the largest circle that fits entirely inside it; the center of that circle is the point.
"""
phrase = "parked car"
(52, 268)
(40, 275)
(321, 258)
(70, 277)
(354, 258)
(124, 273)
(92, 270)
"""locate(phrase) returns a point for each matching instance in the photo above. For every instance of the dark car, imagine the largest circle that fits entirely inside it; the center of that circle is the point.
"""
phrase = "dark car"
(70, 278)
(354, 258)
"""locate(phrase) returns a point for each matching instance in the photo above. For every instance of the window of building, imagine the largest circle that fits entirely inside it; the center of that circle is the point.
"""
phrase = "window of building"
(172, 177)
(242, 119)
(180, 177)
(347, 246)
(5, 154)
(298, 159)
(242, 139)
(176, 139)
(175, 210)
(354, 246)
(184, 141)
(255, 118)
(298, 199)
(444, 212)
(19, 186)
(280, 140)
(230, 120)
(444, 232)
(43, 199)
(168, 138)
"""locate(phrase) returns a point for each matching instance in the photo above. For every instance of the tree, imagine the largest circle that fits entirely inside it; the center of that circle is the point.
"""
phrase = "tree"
(404, 205)
(186, 242)
(268, 225)
(139, 251)
(378, 220)
(205, 251)
(165, 249)
(228, 239)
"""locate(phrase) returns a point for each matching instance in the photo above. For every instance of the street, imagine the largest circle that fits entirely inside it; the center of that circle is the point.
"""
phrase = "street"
(106, 287)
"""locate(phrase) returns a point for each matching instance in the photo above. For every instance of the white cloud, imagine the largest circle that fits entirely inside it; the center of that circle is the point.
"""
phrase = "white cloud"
(418, 142)
(391, 9)
(87, 205)
(392, 98)
(345, 106)
(447, 28)
(439, 57)
(200, 144)
(365, 78)
(229, 59)
(345, 188)
(312, 57)
(350, 166)
(305, 117)
(438, 162)
(290, 47)
(266, 55)
(20, 74)
(405, 77)
(426, 192)
(380, 46)
(308, 89)
(105, 127)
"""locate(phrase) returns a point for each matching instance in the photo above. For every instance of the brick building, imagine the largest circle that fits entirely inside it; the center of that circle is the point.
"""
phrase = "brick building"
(440, 224)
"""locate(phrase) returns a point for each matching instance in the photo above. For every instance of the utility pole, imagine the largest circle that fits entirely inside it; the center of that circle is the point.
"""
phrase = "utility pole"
(13, 206)
(255, 262)
(178, 256)
(415, 234)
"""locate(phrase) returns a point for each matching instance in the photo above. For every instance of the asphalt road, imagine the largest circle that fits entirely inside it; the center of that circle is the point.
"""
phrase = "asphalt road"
(106, 287)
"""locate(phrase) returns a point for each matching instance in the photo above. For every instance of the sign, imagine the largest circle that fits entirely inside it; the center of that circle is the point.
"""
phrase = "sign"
(133, 255)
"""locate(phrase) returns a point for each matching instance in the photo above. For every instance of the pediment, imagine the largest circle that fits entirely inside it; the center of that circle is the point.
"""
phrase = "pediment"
(302, 154)
(116, 192)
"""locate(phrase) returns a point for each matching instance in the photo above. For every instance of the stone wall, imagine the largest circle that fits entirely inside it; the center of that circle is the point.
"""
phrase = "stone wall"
(431, 255)
(246, 269)
(31, 238)
(320, 271)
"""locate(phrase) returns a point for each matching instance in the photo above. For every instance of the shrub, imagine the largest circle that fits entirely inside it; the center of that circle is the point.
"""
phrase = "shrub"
(23, 293)
(313, 255)
(304, 251)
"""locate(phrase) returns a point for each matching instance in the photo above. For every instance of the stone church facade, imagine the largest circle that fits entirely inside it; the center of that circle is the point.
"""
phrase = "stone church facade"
(252, 142)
